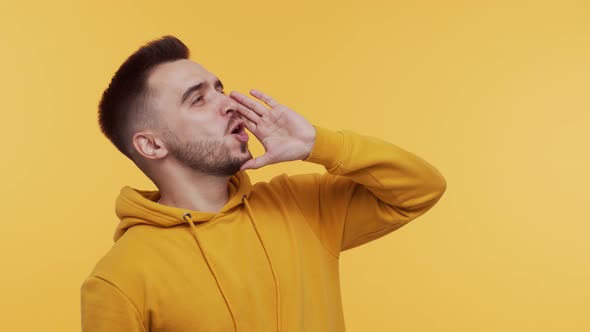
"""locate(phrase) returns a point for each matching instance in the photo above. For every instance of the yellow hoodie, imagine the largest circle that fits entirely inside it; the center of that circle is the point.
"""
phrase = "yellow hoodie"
(268, 261)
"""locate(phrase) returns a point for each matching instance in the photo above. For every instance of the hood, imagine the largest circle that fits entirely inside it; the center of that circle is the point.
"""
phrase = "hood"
(139, 207)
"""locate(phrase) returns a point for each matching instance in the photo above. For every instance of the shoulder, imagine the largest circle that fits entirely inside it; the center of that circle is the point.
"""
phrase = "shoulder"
(125, 262)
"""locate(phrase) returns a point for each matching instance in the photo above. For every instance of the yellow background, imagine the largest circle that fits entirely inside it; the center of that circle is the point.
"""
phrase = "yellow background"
(495, 95)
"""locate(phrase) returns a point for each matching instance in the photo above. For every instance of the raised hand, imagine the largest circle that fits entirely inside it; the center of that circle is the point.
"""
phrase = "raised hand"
(284, 134)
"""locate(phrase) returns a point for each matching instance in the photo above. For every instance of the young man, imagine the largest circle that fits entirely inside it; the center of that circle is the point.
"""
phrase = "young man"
(209, 251)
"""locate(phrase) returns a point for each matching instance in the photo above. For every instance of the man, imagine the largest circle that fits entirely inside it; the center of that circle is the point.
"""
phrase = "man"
(208, 251)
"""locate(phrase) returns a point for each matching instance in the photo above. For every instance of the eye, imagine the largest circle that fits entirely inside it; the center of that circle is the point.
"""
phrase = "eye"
(197, 100)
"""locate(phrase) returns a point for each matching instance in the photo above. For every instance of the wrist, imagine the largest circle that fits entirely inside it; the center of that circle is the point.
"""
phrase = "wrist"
(327, 148)
(308, 143)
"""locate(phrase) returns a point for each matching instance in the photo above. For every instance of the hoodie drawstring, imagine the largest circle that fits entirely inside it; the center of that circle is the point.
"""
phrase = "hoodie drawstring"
(249, 211)
(188, 218)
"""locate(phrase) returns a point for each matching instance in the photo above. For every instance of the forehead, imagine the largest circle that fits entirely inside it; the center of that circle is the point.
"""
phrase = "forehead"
(174, 77)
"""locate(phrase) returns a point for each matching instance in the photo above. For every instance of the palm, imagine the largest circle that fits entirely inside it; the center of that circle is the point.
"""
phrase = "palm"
(284, 134)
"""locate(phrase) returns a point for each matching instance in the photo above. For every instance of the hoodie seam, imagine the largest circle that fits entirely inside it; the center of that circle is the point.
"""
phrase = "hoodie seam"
(381, 232)
(126, 298)
(307, 222)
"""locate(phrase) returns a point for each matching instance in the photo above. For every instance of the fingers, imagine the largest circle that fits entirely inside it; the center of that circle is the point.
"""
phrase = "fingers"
(248, 114)
(249, 124)
(250, 103)
(256, 163)
(264, 97)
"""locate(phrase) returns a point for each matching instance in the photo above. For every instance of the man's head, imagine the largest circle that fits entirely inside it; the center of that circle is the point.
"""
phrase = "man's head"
(162, 106)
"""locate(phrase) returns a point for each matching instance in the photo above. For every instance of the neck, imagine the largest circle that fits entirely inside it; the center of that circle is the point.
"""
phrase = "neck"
(188, 189)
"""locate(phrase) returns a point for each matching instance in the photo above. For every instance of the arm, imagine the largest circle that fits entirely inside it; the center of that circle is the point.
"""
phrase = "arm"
(106, 308)
(372, 188)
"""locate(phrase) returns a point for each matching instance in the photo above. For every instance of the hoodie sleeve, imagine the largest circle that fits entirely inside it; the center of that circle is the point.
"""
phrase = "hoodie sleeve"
(106, 308)
(371, 188)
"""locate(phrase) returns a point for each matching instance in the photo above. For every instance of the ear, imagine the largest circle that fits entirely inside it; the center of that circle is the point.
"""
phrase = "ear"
(149, 145)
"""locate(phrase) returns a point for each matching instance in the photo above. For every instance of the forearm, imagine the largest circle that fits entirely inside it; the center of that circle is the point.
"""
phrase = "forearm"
(397, 177)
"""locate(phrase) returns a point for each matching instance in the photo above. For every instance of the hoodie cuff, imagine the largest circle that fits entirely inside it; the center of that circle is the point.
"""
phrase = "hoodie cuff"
(328, 147)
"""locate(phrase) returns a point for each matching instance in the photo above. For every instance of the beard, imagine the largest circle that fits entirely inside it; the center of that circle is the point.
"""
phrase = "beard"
(207, 155)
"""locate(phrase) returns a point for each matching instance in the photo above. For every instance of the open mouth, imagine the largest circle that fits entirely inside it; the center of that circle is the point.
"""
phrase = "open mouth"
(239, 132)
(238, 128)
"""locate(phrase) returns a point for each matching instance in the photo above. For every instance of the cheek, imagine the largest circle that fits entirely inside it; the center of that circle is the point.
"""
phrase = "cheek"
(200, 125)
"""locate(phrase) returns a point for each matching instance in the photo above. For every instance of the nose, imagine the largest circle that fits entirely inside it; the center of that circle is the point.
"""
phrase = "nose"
(228, 105)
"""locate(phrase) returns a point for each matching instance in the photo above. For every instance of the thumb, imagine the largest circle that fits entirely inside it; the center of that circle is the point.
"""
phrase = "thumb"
(256, 163)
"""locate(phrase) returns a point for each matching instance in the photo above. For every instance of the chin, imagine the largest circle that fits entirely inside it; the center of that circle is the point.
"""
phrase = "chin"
(244, 149)
(246, 155)
(241, 148)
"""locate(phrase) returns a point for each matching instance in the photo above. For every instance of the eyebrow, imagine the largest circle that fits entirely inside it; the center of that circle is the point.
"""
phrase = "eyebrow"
(197, 87)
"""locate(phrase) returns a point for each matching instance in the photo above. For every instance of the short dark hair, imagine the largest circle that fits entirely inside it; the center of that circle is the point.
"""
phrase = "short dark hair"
(125, 105)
